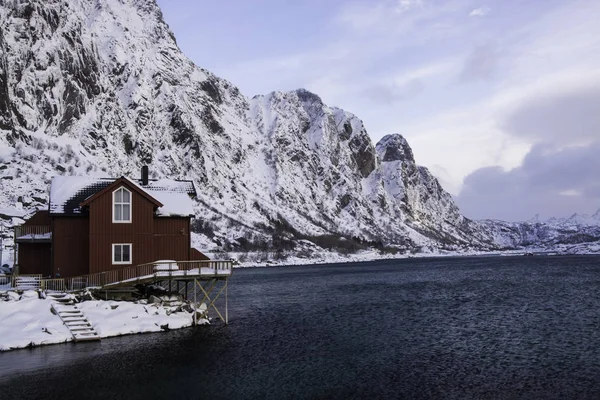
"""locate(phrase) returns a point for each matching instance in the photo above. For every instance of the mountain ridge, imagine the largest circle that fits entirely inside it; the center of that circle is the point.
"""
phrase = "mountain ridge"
(90, 87)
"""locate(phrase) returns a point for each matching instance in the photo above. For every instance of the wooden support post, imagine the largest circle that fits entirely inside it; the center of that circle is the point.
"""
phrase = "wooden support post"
(211, 286)
(195, 305)
(226, 306)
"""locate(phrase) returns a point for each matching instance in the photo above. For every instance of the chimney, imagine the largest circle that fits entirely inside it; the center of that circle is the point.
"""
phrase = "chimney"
(144, 175)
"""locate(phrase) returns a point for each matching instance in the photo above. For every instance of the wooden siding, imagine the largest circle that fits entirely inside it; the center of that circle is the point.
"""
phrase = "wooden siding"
(41, 217)
(35, 258)
(70, 246)
(104, 233)
(172, 238)
(197, 255)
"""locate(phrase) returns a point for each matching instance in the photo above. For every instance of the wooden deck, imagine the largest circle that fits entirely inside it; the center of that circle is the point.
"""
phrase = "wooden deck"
(210, 277)
(144, 274)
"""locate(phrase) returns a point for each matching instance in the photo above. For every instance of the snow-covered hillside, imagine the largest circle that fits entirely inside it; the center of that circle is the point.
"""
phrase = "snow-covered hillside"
(99, 87)
(580, 233)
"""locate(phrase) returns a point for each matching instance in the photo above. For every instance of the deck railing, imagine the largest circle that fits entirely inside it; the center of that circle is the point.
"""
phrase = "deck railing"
(134, 274)
(6, 280)
(56, 285)
(33, 232)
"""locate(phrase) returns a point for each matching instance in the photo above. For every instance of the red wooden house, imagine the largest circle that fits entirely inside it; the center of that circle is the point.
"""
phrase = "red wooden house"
(99, 224)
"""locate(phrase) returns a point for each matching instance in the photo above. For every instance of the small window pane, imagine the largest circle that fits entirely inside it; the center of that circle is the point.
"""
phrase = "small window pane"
(118, 214)
(125, 196)
(118, 197)
(125, 212)
(126, 255)
(118, 253)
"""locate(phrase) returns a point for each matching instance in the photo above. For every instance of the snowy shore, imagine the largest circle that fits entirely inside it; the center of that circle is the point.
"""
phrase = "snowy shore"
(27, 320)
(248, 259)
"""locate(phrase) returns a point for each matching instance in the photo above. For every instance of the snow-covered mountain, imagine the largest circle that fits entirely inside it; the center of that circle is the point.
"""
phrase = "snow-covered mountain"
(579, 233)
(99, 87)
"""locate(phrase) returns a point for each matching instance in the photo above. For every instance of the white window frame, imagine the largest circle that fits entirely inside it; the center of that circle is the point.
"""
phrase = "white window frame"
(114, 245)
(122, 203)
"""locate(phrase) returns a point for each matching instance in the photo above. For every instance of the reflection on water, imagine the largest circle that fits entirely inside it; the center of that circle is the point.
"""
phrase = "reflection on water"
(483, 327)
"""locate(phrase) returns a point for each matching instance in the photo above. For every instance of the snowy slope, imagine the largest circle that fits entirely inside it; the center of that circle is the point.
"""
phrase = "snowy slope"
(580, 233)
(100, 88)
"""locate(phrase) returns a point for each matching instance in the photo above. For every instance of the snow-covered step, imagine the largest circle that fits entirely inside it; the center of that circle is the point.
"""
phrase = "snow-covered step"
(81, 337)
(65, 319)
(62, 299)
(73, 318)
(77, 323)
(81, 329)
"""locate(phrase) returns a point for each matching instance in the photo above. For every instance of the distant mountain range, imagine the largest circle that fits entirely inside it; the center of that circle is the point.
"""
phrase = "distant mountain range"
(99, 87)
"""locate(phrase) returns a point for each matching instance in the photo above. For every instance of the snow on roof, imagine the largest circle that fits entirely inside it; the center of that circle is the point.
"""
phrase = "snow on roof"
(174, 204)
(67, 192)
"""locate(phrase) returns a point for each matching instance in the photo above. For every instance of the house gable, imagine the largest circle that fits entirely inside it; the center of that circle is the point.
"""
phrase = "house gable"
(121, 182)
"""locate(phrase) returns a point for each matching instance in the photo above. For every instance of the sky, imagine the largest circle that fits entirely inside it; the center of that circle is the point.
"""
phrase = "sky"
(499, 99)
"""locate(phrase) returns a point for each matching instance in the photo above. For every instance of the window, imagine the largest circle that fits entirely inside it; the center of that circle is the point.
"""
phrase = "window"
(121, 253)
(122, 205)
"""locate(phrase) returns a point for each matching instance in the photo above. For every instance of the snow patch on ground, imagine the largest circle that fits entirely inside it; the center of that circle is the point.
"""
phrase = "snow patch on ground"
(26, 320)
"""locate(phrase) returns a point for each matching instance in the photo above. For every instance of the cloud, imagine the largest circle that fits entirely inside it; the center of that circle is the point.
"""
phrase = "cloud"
(566, 117)
(392, 92)
(551, 182)
(481, 64)
(362, 16)
(480, 12)
(406, 5)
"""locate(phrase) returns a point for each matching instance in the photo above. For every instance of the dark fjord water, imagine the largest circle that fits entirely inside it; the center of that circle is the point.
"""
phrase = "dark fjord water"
(448, 328)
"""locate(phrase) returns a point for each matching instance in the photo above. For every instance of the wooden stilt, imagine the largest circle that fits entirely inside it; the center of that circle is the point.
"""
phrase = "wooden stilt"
(226, 305)
(211, 285)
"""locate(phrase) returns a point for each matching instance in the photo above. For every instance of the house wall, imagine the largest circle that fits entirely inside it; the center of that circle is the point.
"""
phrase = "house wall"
(197, 255)
(42, 217)
(172, 238)
(34, 258)
(104, 233)
(70, 246)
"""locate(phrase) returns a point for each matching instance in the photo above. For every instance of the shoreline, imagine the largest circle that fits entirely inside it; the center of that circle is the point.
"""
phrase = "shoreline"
(26, 320)
(370, 256)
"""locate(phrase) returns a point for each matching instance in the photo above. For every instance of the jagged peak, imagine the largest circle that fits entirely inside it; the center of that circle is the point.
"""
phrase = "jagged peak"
(303, 95)
(307, 96)
(394, 147)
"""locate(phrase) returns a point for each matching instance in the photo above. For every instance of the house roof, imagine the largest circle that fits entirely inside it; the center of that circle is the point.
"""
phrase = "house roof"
(122, 181)
(172, 197)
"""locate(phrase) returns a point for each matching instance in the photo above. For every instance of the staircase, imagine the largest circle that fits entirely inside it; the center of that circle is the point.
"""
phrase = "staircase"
(72, 317)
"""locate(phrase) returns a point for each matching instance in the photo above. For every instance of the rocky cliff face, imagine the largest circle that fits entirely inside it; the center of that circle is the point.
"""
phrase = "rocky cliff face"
(100, 87)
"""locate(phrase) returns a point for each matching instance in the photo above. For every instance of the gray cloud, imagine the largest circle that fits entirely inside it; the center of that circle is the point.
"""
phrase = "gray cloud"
(563, 118)
(392, 93)
(548, 182)
(481, 64)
